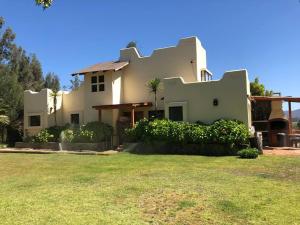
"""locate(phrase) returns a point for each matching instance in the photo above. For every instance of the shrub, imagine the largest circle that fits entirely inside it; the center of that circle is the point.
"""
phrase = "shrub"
(101, 131)
(43, 137)
(67, 136)
(229, 132)
(56, 132)
(226, 135)
(250, 153)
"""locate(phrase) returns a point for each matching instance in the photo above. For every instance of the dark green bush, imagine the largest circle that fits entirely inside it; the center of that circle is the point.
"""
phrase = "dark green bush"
(101, 131)
(56, 132)
(250, 153)
(227, 135)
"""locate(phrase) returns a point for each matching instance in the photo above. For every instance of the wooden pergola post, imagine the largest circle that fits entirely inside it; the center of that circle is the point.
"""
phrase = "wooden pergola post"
(290, 118)
(132, 117)
(99, 115)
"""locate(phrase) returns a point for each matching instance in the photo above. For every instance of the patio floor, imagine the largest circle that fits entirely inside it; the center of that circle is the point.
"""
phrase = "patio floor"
(283, 151)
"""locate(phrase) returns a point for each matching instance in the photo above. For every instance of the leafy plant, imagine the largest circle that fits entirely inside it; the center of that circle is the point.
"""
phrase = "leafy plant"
(43, 137)
(154, 86)
(250, 153)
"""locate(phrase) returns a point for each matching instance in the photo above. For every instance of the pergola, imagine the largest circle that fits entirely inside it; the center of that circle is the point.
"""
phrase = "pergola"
(128, 106)
(287, 99)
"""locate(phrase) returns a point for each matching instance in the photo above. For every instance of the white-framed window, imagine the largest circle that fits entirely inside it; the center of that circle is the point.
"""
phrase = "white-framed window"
(34, 121)
(176, 111)
(97, 83)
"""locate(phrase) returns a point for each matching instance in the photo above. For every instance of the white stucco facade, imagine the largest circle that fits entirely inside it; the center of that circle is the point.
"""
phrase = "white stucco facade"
(179, 69)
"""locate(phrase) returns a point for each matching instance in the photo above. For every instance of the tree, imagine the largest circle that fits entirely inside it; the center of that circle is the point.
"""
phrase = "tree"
(131, 44)
(154, 86)
(6, 42)
(4, 122)
(298, 124)
(44, 3)
(52, 82)
(258, 89)
(75, 82)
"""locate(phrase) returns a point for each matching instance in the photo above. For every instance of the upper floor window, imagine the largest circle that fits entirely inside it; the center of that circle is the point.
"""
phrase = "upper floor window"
(97, 83)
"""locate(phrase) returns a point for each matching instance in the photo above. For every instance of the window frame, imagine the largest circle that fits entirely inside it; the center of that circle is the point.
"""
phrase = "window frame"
(184, 106)
(97, 83)
(29, 120)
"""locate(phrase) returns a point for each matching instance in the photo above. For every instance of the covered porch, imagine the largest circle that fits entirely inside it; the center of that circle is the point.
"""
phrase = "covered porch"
(131, 107)
(292, 133)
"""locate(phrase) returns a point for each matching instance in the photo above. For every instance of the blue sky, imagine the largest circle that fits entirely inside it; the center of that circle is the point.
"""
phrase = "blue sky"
(262, 36)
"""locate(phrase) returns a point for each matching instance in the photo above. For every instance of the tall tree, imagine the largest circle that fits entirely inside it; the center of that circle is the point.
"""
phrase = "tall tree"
(6, 42)
(154, 86)
(44, 3)
(52, 82)
(258, 89)
(37, 73)
(75, 82)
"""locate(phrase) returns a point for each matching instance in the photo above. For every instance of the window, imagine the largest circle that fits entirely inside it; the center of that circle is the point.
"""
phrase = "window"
(176, 113)
(152, 114)
(35, 121)
(75, 119)
(97, 83)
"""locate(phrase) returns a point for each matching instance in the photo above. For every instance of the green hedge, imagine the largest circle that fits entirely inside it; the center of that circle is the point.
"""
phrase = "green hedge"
(222, 134)
(250, 153)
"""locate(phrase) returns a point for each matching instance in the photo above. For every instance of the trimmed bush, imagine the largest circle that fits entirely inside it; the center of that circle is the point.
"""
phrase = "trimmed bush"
(250, 153)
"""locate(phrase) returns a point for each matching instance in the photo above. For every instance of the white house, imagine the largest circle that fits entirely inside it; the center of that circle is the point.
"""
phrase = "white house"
(116, 90)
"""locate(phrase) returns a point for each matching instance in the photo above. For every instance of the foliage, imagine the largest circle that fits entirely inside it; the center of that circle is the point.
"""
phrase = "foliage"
(75, 82)
(131, 44)
(4, 121)
(101, 131)
(154, 86)
(52, 82)
(258, 89)
(44, 3)
(228, 133)
(298, 124)
(56, 132)
(250, 153)
(43, 137)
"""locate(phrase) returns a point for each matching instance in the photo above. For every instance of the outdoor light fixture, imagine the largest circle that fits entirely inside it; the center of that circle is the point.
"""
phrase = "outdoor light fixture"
(216, 102)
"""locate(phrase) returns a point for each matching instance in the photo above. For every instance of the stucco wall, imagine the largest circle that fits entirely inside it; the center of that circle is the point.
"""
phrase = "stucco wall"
(73, 103)
(42, 104)
(197, 98)
(185, 60)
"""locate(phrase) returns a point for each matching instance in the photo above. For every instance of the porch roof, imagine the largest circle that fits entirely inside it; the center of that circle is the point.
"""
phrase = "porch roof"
(275, 98)
(124, 106)
(105, 66)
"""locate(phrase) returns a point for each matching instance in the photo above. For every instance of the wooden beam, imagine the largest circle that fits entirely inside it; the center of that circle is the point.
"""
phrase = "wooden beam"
(100, 115)
(290, 119)
(267, 98)
(124, 106)
(132, 117)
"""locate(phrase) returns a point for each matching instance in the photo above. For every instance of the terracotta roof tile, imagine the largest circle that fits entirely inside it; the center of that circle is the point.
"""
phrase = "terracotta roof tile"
(106, 66)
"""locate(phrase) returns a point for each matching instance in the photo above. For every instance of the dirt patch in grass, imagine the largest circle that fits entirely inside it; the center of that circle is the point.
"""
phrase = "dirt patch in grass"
(172, 208)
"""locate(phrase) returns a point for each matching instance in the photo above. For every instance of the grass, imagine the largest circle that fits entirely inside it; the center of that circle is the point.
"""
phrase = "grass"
(148, 189)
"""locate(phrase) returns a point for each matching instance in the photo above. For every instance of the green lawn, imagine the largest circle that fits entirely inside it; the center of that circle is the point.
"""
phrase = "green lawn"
(150, 189)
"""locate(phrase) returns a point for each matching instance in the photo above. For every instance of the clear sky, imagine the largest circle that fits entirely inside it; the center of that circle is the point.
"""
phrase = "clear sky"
(262, 36)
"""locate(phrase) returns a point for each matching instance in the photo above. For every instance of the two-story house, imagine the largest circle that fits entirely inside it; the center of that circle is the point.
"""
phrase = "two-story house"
(115, 91)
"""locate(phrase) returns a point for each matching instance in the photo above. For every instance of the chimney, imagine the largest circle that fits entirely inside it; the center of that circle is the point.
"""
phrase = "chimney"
(277, 112)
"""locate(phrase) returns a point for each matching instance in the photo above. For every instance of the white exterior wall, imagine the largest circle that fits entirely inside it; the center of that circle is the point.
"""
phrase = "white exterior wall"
(185, 60)
(42, 104)
(197, 98)
(73, 103)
